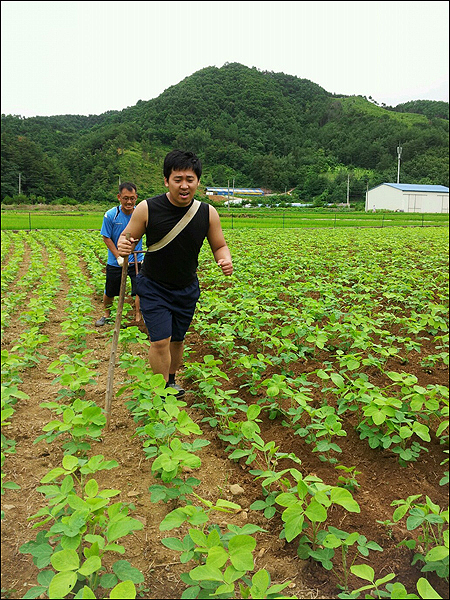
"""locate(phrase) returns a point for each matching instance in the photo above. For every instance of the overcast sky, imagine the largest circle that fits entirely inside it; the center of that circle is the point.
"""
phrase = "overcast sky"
(90, 57)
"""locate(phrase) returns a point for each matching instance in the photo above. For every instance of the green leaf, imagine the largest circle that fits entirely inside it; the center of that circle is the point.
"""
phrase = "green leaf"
(338, 380)
(198, 537)
(77, 503)
(65, 560)
(261, 581)
(316, 512)
(91, 488)
(384, 579)
(125, 571)
(293, 517)
(125, 589)
(400, 512)
(69, 462)
(378, 417)
(436, 554)
(213, 539)
(253, 412)
(123, 527)
(286, 499)
(91, 565)
(53, 474)
(226, 504)
(231, 574)
(321, 373)
(258, 505)
(217, 557)
(344, 498)
(176, 518)
(85, 593)
(206, 573)
(426, 591)
(34, 592)
(422, 431)
(331, 541)
(173, 544)
(363, 572)
(108, 581)
(240, 548)
(225, 588)
(62, 584)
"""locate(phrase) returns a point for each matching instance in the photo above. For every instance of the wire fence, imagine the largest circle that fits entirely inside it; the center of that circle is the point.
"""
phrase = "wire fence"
(311, 220)
(233, 219)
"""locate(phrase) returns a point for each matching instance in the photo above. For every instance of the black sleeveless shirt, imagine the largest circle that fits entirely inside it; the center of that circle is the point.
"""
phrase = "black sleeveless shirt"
(175, 265)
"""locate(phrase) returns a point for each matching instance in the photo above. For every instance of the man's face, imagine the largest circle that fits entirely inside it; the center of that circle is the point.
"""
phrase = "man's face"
(127, 200)
(182, 187)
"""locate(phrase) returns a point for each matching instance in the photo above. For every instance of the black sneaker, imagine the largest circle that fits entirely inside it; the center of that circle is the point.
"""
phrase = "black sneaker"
(102, 321)
(178, 388)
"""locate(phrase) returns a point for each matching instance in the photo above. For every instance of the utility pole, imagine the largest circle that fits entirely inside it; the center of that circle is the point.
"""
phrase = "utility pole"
(20, 189)
(399, 154)
(348, 190)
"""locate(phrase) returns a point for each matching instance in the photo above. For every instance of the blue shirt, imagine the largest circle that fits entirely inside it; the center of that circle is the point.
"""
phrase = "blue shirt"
(114, 222)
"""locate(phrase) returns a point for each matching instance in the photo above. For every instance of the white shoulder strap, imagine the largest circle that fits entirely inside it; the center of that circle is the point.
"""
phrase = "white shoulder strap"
(177, 229)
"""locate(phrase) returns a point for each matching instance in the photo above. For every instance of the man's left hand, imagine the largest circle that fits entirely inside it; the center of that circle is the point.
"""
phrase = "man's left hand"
(226, 266)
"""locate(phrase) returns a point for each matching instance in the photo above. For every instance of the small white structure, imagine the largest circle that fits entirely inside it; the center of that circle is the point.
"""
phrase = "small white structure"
(407, 197)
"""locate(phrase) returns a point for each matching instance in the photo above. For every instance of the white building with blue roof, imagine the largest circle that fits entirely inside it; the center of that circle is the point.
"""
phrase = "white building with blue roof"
(408, 197)
(211, 191)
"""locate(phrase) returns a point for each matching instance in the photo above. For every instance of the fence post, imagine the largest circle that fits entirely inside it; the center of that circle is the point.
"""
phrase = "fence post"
(232, 221)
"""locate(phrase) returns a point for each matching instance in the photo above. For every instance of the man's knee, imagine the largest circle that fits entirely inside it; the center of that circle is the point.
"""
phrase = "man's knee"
(160, 345)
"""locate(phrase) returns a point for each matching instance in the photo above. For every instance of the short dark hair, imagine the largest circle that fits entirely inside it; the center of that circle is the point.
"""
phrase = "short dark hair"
(127, 185)
(178, 160)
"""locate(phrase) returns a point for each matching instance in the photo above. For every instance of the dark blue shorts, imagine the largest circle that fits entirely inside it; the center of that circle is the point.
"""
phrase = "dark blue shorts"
(167, 313)
(114, 278)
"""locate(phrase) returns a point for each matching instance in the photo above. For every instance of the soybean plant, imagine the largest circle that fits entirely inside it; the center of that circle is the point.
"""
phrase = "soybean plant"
(84, 527)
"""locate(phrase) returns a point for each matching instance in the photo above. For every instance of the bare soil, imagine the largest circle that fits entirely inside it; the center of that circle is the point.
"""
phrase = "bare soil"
(382, 480)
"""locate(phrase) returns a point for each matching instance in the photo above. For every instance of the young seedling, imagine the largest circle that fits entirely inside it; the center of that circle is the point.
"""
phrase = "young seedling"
(348, 480)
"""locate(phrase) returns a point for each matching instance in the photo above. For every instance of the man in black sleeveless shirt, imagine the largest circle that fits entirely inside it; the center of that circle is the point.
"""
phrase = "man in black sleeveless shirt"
(167, 284)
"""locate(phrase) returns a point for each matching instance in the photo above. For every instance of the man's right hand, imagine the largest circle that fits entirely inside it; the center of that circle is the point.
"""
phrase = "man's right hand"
(124, 246)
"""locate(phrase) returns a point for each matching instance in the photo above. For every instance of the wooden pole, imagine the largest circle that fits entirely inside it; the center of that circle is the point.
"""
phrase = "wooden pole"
(115, 340)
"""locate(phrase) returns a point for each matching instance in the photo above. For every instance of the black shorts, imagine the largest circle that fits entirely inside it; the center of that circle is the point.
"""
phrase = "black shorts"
(167, 313)
(114, 277)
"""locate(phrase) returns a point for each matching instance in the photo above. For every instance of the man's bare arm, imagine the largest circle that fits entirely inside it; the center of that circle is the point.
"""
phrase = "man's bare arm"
(217, 242)
(111, 246)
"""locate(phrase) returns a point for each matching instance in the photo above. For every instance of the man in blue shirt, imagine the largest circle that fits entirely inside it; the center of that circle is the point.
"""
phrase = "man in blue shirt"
(114, 222)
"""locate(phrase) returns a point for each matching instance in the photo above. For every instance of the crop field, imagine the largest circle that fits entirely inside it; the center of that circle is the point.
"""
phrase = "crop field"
(308, 458)
(235, 219)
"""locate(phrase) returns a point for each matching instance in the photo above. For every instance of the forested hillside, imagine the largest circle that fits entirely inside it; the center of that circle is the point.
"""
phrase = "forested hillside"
(263, 129)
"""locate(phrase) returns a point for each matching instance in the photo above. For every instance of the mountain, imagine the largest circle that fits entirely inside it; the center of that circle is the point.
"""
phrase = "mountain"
(259, 128)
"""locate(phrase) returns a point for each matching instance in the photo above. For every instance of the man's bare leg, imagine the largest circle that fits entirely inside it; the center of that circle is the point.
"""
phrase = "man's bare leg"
(137, 309)
(107, 303)
(165, 357)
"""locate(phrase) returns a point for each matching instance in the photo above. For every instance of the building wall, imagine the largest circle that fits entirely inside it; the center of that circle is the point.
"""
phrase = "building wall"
(385, 197)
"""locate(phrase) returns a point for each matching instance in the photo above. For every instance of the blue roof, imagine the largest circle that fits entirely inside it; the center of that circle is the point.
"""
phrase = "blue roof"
(236, 190)
(414, 187)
